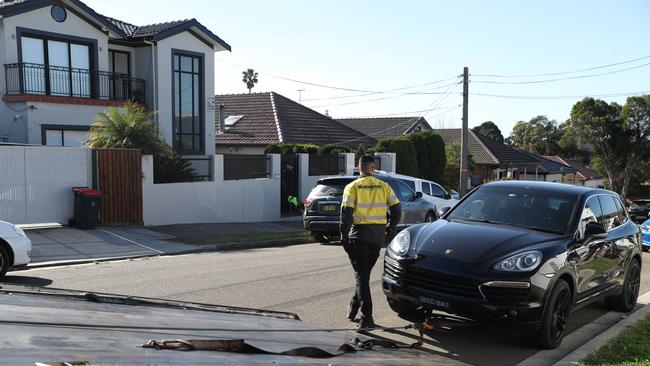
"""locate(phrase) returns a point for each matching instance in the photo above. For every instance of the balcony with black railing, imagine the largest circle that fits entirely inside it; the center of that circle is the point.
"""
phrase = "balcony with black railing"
(47, 80)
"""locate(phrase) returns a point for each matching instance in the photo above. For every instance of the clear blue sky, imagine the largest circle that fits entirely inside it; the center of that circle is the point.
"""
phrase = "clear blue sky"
(380, 45)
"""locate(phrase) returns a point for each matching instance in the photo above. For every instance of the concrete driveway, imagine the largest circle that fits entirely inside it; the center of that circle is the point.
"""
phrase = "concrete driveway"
(70, 244)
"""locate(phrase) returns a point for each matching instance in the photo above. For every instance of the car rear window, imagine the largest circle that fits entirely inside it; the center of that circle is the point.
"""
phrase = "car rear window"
(330, 187)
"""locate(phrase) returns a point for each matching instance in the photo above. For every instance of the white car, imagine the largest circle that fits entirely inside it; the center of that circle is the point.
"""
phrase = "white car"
(431, 190)
(15, 247)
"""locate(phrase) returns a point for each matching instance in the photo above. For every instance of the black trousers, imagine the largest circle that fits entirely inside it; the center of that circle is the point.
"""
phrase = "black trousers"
(363, 256)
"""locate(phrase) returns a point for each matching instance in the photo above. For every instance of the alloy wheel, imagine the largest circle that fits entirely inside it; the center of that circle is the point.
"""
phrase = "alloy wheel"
(560, 315)
(633, 284)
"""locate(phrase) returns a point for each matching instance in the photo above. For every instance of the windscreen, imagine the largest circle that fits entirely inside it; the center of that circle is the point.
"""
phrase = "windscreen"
(536, 210)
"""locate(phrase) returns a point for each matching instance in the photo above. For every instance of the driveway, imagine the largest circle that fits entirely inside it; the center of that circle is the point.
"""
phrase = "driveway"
(69, 244)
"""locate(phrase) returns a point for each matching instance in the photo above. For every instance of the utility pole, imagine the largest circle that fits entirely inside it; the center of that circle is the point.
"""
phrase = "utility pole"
(464, 135)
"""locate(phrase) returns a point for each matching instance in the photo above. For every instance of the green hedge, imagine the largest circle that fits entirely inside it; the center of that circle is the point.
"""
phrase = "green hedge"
(430, 149)
(407, 157)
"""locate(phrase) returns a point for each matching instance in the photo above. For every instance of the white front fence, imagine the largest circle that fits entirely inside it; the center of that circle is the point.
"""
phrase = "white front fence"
(36, 182)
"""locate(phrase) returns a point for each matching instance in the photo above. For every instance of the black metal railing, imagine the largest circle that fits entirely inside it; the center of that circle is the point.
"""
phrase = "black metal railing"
(326, 165)
(182, 169)
(39, 79)
(246, 166)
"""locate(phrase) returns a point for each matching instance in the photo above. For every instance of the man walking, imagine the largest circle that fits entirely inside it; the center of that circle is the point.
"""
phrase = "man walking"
(365, 205)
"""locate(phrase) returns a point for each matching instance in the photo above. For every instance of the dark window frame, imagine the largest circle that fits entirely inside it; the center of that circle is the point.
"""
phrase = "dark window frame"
(111, 54)
(62, 128)
(201, 76)
(93, 55)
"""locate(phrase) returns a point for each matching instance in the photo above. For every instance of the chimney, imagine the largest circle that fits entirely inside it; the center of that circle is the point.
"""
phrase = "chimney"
(222, 119)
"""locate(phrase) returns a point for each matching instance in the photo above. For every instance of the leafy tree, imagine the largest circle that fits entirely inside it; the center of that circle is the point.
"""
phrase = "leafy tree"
(489, 129)
(635, 116)
(451, 177)
(599, 124)
(128, 127)
(249, 78)
(407, 162)
(430, 149)
(538, 136)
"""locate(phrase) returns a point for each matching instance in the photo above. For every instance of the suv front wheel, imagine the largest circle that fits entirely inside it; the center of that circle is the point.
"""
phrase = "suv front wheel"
(555, 318)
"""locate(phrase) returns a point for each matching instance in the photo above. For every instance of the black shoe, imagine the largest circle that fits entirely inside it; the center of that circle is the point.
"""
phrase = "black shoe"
(353, 309)
(366, 323)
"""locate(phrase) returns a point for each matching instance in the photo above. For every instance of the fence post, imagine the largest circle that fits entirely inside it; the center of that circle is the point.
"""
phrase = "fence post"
(218, 168)
(348, 168)
(275, 168)
(388, 161)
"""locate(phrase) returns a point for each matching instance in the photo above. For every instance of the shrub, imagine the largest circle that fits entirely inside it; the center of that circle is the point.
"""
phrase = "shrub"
(407, 160)
(431, 157)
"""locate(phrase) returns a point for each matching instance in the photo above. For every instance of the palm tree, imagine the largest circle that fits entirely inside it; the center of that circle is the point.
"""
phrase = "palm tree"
(249, 78)
(130, 126)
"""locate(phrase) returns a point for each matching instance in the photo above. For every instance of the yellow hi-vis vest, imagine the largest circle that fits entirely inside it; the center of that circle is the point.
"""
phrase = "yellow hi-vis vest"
(370, 199)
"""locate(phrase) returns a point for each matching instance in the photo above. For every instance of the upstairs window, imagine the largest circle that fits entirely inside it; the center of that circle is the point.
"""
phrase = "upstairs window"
(187, 105)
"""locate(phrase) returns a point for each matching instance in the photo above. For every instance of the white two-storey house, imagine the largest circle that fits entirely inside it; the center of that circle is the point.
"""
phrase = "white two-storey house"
(64, 62)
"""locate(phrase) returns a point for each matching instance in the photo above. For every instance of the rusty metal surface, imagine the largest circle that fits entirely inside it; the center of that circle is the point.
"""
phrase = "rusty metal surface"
(111, 332)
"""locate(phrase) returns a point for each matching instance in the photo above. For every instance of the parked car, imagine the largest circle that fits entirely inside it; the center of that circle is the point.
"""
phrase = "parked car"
(640, 210)
(520, 253)
(645, 235)
(15, 247)
(323, 205)
(431, 190)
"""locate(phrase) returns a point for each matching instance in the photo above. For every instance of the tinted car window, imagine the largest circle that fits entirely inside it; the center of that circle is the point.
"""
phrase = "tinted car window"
(622, 215)
(409, 183)
(537, 210)
(403, 192)
(426, 188)
(610, 218)
(590, 213)
(332, 187)
(437, 191)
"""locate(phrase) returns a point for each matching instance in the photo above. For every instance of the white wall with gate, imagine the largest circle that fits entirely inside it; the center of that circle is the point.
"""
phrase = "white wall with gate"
(216, 201)
(36, 182)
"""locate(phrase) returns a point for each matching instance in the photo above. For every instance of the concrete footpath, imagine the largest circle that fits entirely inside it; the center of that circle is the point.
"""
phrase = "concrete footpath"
(63, 245)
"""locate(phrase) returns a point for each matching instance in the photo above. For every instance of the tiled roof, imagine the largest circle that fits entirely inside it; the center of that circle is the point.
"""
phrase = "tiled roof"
(486, 151)
(126, 31)
(550, 166)
(266, 113)
(379, 128)
(584, 172)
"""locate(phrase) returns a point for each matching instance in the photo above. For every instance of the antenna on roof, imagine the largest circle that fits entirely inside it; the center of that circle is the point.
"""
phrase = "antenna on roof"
(300, 95)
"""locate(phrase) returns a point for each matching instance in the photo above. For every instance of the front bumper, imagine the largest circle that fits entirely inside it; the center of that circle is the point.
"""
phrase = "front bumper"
(645, 238)
(487, 302)
(22, 249)
(325, 224)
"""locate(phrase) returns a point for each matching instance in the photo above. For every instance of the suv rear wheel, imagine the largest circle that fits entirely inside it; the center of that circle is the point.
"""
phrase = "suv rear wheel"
(555, 318)
(626, 300)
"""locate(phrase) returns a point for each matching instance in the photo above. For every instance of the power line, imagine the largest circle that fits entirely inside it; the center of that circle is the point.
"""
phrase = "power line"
(563, 72)
(560, 79)
(559, 96)
(387, 91)
(382, 98)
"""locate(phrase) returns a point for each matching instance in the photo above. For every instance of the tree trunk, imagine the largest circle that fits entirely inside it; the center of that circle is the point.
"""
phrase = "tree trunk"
(629, 166)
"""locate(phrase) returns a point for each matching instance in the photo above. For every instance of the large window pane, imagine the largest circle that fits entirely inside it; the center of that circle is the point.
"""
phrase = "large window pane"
(57, 53)
(187, 104)
(54, 137)
(177, 102)
(186, 63)
(121, 65)
(74, 138)
(80, 61)
(33, 75)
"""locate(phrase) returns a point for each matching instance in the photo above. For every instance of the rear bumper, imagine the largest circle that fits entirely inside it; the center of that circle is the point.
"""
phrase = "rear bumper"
(325, 224)
(22, 248)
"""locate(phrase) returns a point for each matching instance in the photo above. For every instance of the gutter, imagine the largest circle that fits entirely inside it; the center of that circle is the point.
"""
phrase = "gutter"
(154, 72)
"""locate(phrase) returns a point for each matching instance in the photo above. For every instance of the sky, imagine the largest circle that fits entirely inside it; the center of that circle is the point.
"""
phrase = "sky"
(377, 46)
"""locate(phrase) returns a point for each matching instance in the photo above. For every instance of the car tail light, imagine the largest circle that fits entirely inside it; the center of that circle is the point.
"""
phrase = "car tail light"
(307, 202)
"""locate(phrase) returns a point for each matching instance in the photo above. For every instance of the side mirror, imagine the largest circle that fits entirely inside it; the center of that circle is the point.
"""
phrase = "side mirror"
(443, 211)
(418, 195)
(595, 231)
(447, 196)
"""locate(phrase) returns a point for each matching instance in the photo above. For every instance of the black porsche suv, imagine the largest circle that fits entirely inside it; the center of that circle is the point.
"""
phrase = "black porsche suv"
(524, 253)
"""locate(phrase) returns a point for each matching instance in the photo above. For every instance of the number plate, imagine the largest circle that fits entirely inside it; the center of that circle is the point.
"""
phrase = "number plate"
(436, 303)
(329, 208)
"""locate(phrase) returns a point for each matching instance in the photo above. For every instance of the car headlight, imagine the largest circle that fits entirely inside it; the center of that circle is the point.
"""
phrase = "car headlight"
(19, 231)
(522, 262)
(401, 243)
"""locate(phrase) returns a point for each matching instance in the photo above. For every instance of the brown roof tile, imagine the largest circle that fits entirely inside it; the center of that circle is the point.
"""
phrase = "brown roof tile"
(384, 127)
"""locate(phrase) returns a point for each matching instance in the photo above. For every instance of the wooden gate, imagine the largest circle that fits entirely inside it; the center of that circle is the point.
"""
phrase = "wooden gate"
(119, 176)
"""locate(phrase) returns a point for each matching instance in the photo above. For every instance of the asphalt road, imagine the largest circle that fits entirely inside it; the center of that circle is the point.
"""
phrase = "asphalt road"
(314, 281)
